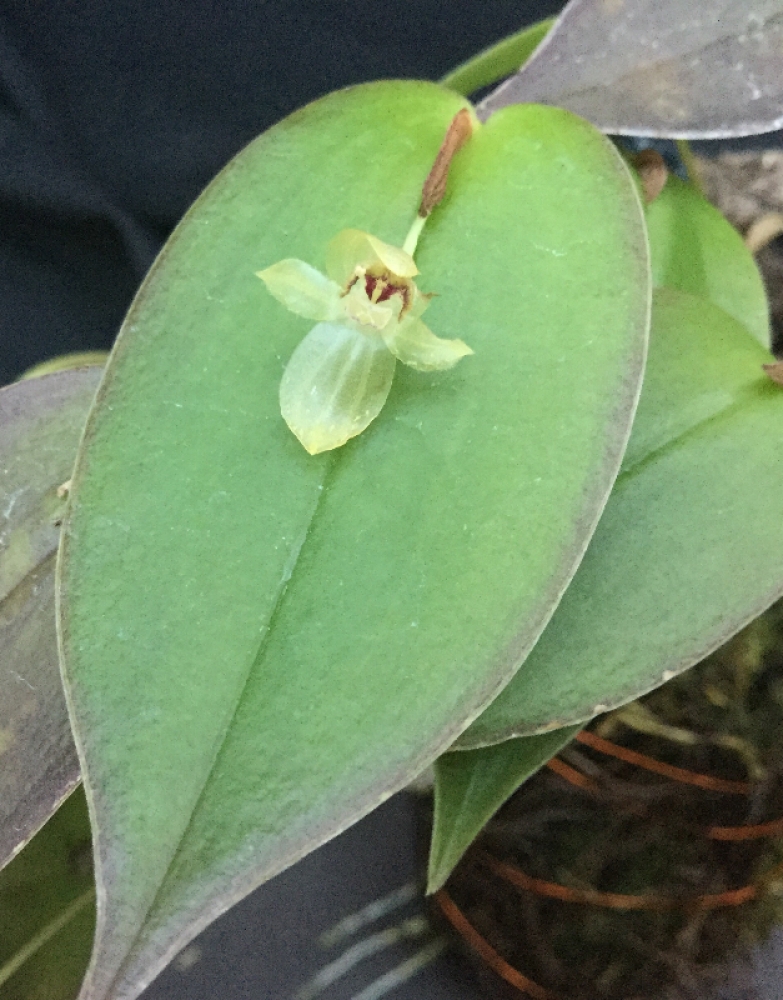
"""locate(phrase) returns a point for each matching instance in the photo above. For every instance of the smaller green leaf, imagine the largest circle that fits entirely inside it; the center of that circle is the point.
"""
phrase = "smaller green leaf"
(47, 910)
(695, 249)
(690, 546)
(471, 785)
(497, 61)
(41, 422)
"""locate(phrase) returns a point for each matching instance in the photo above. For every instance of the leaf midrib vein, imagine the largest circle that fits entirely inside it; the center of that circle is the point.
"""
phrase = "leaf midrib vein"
(288, 573)
(743, 395)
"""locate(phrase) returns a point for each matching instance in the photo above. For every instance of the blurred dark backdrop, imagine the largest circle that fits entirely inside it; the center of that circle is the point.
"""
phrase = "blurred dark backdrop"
(115, 113)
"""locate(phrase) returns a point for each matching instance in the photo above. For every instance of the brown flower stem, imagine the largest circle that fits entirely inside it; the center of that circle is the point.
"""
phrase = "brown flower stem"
(458, 133)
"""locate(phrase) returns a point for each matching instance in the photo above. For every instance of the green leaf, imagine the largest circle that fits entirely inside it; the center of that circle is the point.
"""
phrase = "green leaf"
(41, 422)
(261, 646)
(498, 60)
(670, 68)
(470, 787)
(694, 248)
(47, 910)
(690, 546)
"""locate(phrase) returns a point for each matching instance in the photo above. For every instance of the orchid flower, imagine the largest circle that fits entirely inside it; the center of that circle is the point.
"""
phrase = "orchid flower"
(367, 310)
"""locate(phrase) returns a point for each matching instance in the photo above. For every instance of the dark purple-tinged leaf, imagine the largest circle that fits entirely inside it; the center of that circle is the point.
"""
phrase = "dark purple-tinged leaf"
(40, 424)
(261, 645)
(687, 69)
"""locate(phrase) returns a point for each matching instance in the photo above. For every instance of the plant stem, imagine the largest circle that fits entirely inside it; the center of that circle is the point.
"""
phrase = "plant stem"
(409, 246)
(45, 935)
(691, 166)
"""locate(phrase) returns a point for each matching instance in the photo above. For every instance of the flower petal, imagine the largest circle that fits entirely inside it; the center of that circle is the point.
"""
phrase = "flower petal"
(334, 385)
(416, 345)
(353, 248)
(302, 289)
(394, 258)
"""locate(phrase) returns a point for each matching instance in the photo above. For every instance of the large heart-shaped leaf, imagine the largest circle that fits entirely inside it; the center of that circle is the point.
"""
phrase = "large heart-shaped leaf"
(470, 787)
(690, 546)
(41, 422)
(260, 646)
(694, 248)
(660, 67)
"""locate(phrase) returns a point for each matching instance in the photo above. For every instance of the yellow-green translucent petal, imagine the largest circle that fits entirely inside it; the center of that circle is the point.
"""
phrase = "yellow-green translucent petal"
(302, 289)
(352, 248)
(416, 345)
(396, 259)
(334, 385)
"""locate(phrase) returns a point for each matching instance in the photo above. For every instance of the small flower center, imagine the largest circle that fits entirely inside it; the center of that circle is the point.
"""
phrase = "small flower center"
(380, 288)
(383, 286)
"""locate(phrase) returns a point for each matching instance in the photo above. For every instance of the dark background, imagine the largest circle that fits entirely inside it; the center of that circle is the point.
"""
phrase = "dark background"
(114, 114)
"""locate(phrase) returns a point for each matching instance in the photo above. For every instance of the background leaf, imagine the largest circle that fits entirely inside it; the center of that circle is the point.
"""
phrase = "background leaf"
(660, 67)
(690, 546)
(261, 646)
(41, 422)
(470, 787)
(498, 60)
(65, 362)
(694, 248)
(47, 910)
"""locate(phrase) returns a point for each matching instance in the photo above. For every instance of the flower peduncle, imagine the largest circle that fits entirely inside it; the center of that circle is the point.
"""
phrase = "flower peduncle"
(367, 311)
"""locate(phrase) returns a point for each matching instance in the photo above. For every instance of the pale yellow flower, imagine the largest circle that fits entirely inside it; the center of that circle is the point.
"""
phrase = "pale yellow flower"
(367, 310)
